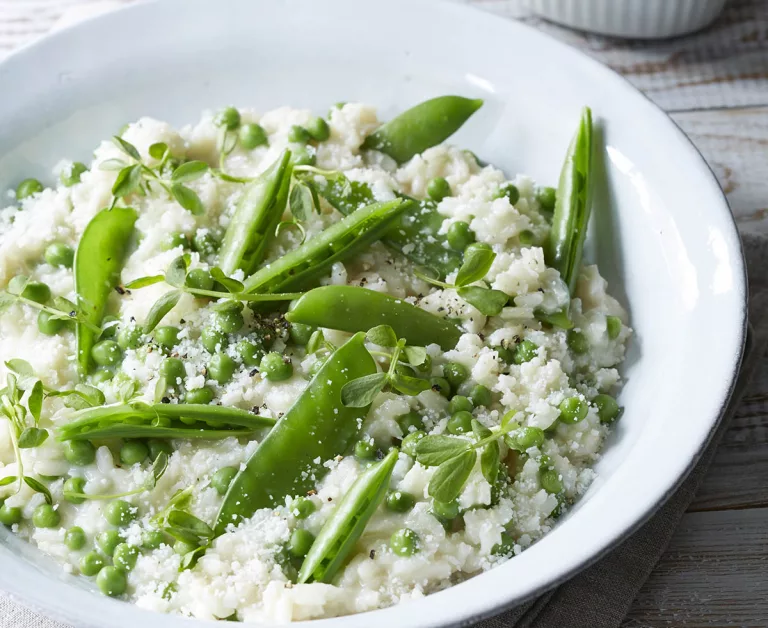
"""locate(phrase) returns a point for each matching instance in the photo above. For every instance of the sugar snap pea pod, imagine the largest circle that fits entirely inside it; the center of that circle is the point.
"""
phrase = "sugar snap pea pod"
(98, 261)
(421, 127)
(416, 235)
(347, 523)
(352, 309)
(315, 429)
(573, 205)
(140, 420)
(299, 268)
(256, 216)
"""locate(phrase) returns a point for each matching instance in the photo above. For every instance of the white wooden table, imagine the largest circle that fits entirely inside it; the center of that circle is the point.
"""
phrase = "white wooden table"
(715, 86)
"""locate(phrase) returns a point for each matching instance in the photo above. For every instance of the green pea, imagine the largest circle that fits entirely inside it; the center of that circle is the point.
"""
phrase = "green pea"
(481, 396)
(125, 556)
(229, 321)
(213, 339)
(222, 479)
(202, 395)
(46, 516)
(302, 507)
(221, 368)
(455, 373)
(182, 547)
(511, 192)
(445, 510)
(79, 452)
(101, 375)
(107, 353)
(276, 368)
(74, 538)
(577, 342)
(111, 581)
(365, 450)
(36, 291)
(303, 156)
(299, 134)
(91, 564)
(108, 540)
(506, 354)
(318, 129)
(506, 546)
(71, 176)
(59, 254)
(411, 440)
(441, 385)
(157, 446)
(460, 423)
(438, 188)
(152, 539)
(133, 452)
(205, 243)
(404, 542)
(300, 543)
(28, 187)
(300, 333)
(400, 501)
(613, 326)
(550, 481)
(167, 336)
(9, 515)
(547, 198)
(252, 136)
(527, 437)
(228, 117)
(573, 410)
(526, 237)
(49, 324)
(607, 408)
(129, 337)
(410, 422)
(174, 240)
(173, 370)
(74, 485)
(460, 403)
(525, 352)
(199, 279)
(459, 235)
(120, 513)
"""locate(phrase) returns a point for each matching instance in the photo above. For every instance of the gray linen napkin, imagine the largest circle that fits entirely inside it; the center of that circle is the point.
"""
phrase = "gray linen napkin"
(600, 596)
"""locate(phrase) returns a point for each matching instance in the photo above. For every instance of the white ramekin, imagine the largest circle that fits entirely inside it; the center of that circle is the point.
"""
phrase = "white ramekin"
(645, 19)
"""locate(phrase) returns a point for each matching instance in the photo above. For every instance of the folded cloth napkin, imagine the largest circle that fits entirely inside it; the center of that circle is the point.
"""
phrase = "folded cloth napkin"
(600, 596)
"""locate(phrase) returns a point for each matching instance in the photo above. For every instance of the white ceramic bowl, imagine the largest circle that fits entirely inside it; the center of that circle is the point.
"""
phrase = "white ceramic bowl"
(663, 233)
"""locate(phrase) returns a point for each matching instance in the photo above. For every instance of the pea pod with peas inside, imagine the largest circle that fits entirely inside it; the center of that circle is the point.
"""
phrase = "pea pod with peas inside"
(347, 522)
(310, 261)
(353, 309)
(98, 261)
(315, 429)
(427, 124)
(141, 420)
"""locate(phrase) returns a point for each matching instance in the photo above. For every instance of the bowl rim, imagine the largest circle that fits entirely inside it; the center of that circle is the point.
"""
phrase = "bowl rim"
(461, 617)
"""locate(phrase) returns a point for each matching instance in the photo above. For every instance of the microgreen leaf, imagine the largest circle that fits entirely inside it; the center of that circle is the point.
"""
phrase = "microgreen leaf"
(159, 467)
(177, 272)
(362, 391)
(35, 401)
(160, 308)
(479, 430)
(434, 450)
(127, 181)
(143, 282)
(189, 171)
(416, 356)
(301, 201)
(559, 318)
(128, 148)
(188, 199)
(39, 488)
(83, 396)
(8, 479)
(186, 527)
(20, 367)
(408, 385)
(477, 262)
(231, 285)
(382, 335)
(488, 302)
(158, 150)
(489, 461)
(451, 476)
(32, 437)
(112, 164)
(190, 559)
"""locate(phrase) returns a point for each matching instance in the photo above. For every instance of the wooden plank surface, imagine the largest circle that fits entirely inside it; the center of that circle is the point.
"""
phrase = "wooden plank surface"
(715, 85)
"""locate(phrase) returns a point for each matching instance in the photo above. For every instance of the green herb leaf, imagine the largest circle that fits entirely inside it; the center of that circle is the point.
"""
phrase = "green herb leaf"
(488, 302)
(362, 391)
(189, 171)
(316, 341)
(128, 148)
(416, 356)
(190, 559)
(408, 385)
(112, 164)
(159, 466)
(143, 282)
(39, 488)
(434, 450)
(161, 387)
(489, 461)
(127, 181)
(477, 262)
(160, 308)
(186, 527)
(301, 201)
(382, 335)
(32, 437)
(83, 396)
(451, 476)
(232, 285)
(8, 479)
(35, 401)
(479, 430)
(558, 319)
(176, 274)
(188, 199)
(21, 367)
(126, 390)
(158, 150)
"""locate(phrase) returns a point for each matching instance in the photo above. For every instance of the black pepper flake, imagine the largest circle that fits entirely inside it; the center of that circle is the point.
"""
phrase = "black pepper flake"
(120, 290)
(372, 555)
(182, 321)
(165, 400)
(330, 499)
(253, 373)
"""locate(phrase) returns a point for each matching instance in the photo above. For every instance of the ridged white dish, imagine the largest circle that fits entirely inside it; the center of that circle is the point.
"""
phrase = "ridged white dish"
(642, 19)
